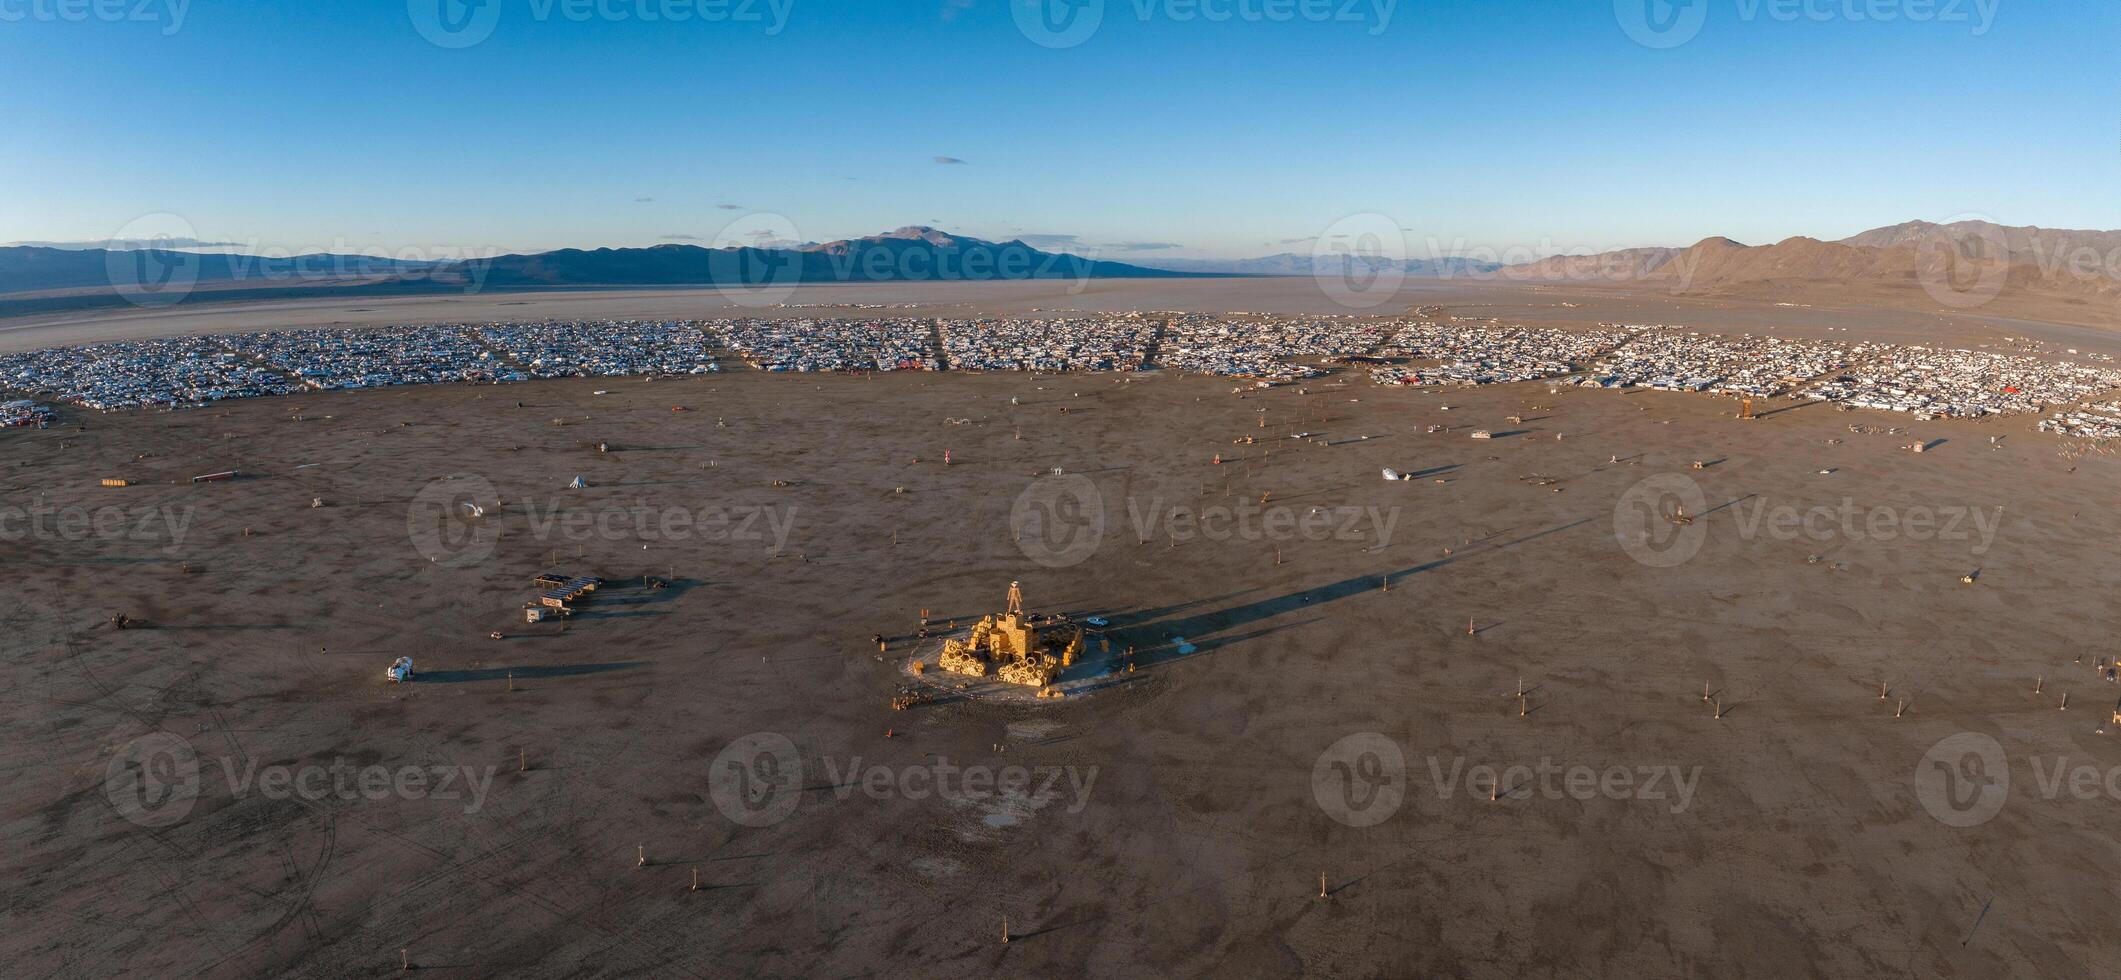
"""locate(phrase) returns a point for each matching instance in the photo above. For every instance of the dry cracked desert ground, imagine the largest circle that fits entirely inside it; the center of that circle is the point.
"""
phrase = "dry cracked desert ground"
(228, 786)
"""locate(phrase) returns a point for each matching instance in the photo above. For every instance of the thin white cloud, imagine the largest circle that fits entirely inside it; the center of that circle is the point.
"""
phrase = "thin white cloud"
(127, 243)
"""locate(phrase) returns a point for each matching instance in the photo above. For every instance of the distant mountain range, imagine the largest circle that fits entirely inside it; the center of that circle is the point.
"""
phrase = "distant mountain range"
(911, 254)
(32, 268)
(1299, 264)
(1917, 263)
(1956, 264)
(40, 278)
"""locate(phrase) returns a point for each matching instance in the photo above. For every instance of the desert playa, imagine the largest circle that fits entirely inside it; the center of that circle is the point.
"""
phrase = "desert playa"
(1629, 686)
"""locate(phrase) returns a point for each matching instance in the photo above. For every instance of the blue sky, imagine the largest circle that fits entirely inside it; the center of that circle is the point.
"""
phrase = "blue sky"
(1534, 126)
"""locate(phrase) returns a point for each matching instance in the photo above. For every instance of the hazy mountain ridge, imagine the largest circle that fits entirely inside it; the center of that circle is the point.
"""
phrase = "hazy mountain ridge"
(29, 268)
(911, 254)
(1300, 264)
(2073, 264)
(1894, 264)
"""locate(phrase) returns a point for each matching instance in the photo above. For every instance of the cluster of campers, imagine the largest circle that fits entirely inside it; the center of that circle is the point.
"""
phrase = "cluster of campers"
(561, 593)
(24, 415)
(557, 601)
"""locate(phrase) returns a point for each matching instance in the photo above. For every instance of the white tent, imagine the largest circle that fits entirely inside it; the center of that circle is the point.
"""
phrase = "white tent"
(578, 484)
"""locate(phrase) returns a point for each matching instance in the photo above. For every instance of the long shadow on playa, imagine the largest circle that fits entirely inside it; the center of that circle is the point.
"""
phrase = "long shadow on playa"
(1200, 629)
(1792, 408)
(522, 673)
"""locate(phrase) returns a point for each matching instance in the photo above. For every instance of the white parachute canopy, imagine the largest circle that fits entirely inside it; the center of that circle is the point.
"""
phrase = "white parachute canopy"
(578, 484)
(1391, 474)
